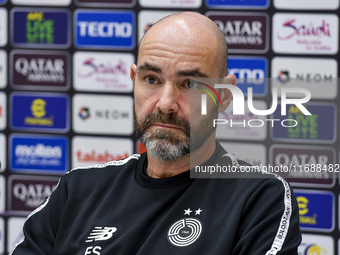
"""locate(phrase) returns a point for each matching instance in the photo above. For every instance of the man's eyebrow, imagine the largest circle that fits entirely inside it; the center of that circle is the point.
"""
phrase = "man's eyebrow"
(148, 67)
(193, 73)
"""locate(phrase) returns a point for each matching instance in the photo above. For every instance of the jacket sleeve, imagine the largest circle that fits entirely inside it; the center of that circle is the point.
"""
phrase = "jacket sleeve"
(270, 221)
(41, 225)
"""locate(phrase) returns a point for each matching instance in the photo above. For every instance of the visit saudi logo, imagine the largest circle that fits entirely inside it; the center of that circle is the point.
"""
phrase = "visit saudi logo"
(204, 97)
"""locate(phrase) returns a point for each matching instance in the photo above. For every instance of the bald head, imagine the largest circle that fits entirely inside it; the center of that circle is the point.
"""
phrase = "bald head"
(194, 30)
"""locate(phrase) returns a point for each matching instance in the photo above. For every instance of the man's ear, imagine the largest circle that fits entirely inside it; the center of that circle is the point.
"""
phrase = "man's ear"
(133, 69)
(226, 94)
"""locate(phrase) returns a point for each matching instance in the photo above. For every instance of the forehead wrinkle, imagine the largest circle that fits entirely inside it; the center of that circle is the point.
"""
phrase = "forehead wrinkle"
(162, 50)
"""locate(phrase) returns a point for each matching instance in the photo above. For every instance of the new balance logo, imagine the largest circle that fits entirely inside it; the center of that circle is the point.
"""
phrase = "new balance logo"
(101, 234)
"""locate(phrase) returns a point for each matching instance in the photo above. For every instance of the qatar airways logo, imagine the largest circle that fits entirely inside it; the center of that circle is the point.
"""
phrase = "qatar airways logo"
(291, 29)
(90, 68)
(239, 102)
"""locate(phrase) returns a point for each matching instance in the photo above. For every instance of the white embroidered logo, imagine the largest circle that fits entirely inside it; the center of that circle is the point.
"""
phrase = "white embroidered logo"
(101, 234)
(185, 231)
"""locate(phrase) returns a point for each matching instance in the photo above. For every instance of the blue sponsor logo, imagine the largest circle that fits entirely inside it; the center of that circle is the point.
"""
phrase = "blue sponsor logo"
(316, 210)
(250, 72)
(40, 112)
(40, 28)
(258, 4)
(3, 1)
(320, 127)
(104, 29)
(39, 154)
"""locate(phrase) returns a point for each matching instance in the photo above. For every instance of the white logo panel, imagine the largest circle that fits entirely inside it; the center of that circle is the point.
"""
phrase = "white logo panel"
(3, 65)
(305, 33)
(254, 154)
(2, 195)
(102, 114)
(2, 152)
(243, 127)
(147, 18)
(3, 110)
(307, 4)
(318, 76)
(42, 2)
(98, 71)
(316, 244)
(14, 232)
(96, 150)
(171, 3)
(2, 236)
(3, 27)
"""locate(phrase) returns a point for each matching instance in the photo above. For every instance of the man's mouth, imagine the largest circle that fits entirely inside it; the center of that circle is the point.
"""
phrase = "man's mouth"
(165, 126)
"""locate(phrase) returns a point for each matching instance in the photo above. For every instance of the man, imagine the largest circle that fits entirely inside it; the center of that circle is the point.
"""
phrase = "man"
(148, 204)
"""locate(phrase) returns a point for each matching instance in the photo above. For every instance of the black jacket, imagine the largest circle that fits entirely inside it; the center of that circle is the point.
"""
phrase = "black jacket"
(115, 208)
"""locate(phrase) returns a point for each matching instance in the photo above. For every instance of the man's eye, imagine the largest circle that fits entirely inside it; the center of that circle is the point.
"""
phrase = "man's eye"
(151, 80)
(190, 84)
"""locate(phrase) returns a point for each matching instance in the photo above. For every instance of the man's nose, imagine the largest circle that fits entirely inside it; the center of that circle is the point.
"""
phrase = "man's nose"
(168, 98)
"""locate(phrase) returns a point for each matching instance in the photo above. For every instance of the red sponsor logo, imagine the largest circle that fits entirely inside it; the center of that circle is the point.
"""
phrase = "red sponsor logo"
(99, 157)
(305, 30)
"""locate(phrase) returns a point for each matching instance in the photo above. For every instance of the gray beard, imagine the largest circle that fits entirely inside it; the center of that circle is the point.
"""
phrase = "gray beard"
(159, 145)
(164, 144)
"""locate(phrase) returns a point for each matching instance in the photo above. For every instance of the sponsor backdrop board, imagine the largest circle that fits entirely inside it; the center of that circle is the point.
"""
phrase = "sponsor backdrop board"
(104, 29)
(251, 72)
(3, 154)
(3, 66)
(241, 127)
(40, 112)
(26, 193)
(310, 166)
(305, 33)
(42, 2)
(106, 3)
(319, 127)
(40, 28)
(14, 231)
(317, 75)
(307, 4)
(3, 27)
(316, 244)
(40, 70)
(66, 97)
(3, 111)
(102, 114)
(171, 3)
(2, 236)
(244, 32)
(38, 154)
(2, 193)
(317, 210)
(102, 72)
(237, 4)
(87, 150)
